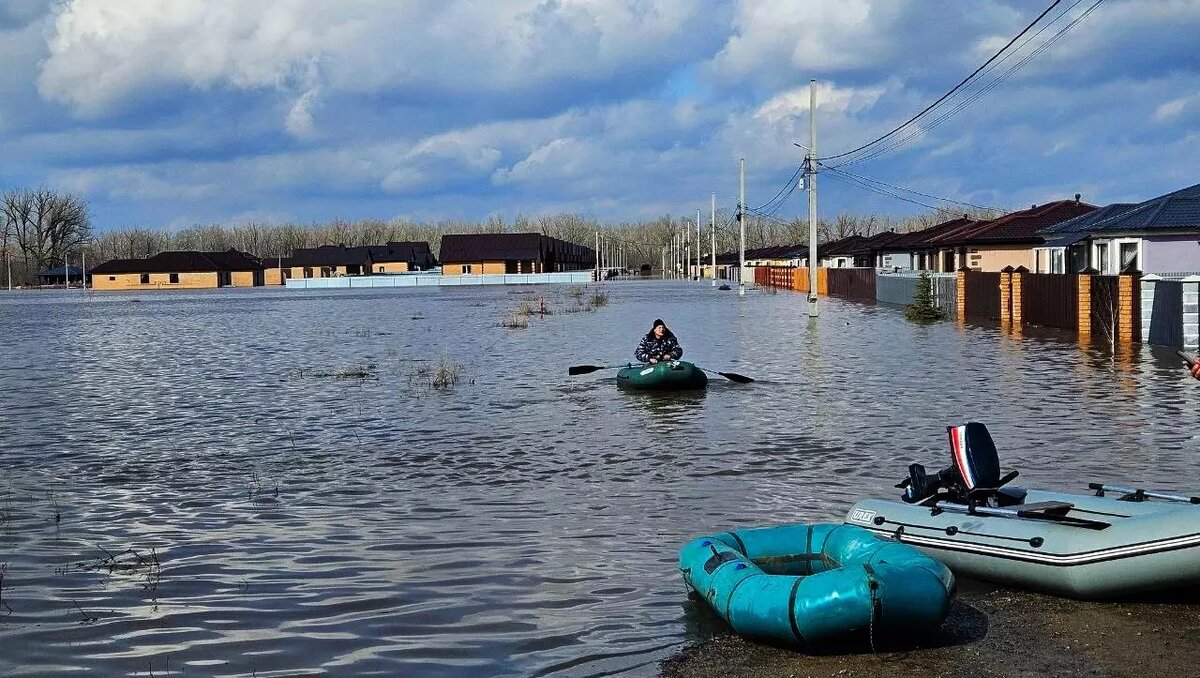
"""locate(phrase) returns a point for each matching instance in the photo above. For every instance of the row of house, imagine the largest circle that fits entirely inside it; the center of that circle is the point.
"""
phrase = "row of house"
(1159, 235)
(466, 254)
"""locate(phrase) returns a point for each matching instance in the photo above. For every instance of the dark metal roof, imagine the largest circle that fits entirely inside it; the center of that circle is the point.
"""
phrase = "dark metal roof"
(59, 271)
(917, 239)
(464, 248)
(1015, 227)
(186, 261)
(842, 247)
(1179, 210)
(1085, 222)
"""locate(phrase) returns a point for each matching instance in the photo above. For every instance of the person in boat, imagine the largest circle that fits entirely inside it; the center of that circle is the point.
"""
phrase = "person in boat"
(1195, 370)
(658, 345)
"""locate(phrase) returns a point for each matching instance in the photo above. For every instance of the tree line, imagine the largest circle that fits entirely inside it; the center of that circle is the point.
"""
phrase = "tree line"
(40, 228)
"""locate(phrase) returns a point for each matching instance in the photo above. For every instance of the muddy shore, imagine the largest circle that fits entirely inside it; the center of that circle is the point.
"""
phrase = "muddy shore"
(990, 632)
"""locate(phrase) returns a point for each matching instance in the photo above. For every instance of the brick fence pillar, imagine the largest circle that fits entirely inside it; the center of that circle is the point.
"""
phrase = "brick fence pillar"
(1018, 296)
(1085, 301)
(1128, 296)
(1006, 295)
(961, 288)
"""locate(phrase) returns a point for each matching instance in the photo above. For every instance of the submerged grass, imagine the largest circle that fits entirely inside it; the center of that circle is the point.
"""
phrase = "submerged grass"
(444, 375)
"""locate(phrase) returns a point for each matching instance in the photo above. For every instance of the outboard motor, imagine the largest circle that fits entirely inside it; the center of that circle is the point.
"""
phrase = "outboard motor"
(976, 467)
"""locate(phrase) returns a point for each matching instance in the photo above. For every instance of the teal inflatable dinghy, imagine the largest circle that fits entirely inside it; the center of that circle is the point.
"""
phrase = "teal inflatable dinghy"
(673, 375)
(814, 583)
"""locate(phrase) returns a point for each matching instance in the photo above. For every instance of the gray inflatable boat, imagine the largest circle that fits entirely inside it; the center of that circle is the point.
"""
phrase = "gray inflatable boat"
(1116, 542)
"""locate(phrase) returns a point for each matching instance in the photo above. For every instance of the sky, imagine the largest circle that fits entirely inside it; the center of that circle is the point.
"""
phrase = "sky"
(169, 114)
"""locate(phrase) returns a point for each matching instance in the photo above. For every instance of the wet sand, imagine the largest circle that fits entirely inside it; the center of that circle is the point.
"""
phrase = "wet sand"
(990, 632)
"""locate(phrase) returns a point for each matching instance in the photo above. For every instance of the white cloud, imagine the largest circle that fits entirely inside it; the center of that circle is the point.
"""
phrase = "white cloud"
(103, 52)
(1171, 109)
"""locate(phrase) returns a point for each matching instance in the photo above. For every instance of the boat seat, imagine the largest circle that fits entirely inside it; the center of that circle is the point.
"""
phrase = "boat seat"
(1042, 508)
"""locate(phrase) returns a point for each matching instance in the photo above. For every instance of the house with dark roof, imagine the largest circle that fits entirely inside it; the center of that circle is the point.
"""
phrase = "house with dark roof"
(179, 270)
(1159, 235)
(839, 253)
(994, 244)
(329, 261)
(59, 275)
(907, 250)
(500, 253)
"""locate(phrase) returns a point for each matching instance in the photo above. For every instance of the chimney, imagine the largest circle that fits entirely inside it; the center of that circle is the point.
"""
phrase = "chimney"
(1077, 197)
(1033, 206)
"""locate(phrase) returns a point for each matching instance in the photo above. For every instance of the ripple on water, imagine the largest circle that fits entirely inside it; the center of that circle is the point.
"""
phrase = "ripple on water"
(523, 523)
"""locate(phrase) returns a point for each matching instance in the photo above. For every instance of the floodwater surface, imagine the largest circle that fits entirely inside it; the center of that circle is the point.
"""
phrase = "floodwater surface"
(199, 483)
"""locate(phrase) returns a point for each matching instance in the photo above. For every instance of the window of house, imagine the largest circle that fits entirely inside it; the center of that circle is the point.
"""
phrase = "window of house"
(1057, 261)
(308, 272)
(1102, 261)
(1129, 255)
(326, 272)
(112, 278)
(173, 278)
(380, 269)
(466, 269)
(144, 279)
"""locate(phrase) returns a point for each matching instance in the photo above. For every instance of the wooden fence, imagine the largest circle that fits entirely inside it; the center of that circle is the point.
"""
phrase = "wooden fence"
(853, 283)
(983, 295)
(1050, 299)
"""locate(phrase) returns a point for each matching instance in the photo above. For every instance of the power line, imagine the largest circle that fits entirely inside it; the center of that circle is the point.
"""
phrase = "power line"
(948, 94)
(986, 88)
(789, 187)
(909, 190)
(866, 186)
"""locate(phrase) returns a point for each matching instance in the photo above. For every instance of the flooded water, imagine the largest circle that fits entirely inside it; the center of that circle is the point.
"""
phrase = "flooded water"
(183, 491)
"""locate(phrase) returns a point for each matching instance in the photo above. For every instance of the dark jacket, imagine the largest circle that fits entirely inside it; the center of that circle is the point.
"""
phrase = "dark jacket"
(652, 347)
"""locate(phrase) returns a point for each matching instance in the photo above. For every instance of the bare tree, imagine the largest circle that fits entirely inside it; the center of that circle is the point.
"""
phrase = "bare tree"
(46, 227)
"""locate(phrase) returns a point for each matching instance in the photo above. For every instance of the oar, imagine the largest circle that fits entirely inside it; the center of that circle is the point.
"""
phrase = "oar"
(731, 376)
(1187, 358)
(588, 369)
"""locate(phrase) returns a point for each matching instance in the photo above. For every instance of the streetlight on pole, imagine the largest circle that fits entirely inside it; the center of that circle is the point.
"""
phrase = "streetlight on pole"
(714, 239)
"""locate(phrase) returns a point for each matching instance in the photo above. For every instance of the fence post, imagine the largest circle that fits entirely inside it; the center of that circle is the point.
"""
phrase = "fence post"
(962, 292)
(1149, 287)
(1127, 305)
(1191, 311)
(1006, 295)
(1085, 301)
(1018, 296)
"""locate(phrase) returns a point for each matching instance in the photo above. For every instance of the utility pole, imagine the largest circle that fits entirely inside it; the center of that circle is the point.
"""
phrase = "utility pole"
(714, 239)
(83, 272)
(597, 253)
(8, 265)
(812, 199)
(741, 217)
(697, 244)
(663, 269)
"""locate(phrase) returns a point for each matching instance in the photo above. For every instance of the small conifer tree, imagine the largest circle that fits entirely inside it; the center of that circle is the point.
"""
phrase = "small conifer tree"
(923, 309)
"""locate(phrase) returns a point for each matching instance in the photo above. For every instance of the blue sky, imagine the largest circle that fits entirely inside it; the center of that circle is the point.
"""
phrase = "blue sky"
(195, 111)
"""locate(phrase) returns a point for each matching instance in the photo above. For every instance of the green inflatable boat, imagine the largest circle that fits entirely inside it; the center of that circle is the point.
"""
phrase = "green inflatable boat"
(1122, 541)
(675, 375)
(811, 584)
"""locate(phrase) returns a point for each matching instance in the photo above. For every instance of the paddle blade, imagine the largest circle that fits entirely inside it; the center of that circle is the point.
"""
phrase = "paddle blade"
(734, 376)
(1189, 359)
(583, 369)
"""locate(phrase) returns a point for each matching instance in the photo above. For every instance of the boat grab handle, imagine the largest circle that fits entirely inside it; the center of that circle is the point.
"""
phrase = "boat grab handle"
(1138, 494)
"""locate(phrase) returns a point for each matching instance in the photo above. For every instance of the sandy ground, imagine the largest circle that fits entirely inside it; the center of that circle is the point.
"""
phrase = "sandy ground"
(990, 632)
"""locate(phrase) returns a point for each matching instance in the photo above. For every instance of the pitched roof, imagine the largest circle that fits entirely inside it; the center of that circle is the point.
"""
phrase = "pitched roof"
(1174, 211)
(58, 272)
(470, 247)
(917, 239)
(1015, 227)
(841, 247)
(330, 255)
(185, 261)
